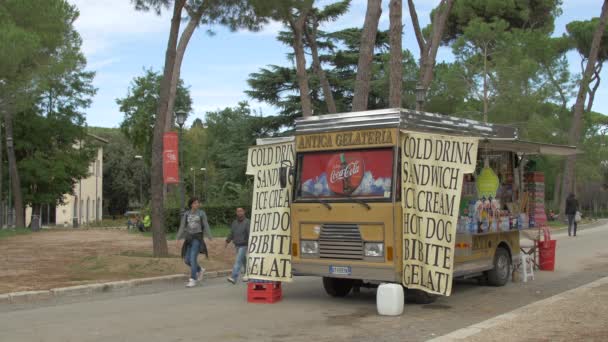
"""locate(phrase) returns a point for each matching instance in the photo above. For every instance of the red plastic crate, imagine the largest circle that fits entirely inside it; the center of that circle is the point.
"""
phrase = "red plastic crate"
(264, 292)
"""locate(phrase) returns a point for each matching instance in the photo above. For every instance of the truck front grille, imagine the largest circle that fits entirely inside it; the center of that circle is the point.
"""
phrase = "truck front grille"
(340, 241)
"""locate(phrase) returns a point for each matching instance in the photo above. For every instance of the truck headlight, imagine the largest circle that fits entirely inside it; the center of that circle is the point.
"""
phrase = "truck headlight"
(309, 247)
(374, 249)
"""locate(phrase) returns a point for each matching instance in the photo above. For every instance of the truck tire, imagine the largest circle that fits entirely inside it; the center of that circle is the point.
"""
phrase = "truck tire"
(337, 287)
(499, 275)
(416, 296)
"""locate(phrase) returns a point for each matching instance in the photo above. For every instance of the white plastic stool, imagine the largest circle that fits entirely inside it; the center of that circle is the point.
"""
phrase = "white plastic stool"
(389, 299)
(527, 266)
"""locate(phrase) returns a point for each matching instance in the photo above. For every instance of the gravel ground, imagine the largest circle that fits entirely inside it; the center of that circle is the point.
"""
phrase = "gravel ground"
(576, 315)
(58, 258)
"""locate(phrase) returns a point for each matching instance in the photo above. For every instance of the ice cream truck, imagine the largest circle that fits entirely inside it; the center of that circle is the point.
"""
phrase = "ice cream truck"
(352, 202)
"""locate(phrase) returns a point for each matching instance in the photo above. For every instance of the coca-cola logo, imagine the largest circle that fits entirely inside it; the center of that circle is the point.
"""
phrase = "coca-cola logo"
(345, 172)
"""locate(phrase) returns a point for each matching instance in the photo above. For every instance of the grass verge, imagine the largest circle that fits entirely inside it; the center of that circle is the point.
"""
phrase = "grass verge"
(4, 233)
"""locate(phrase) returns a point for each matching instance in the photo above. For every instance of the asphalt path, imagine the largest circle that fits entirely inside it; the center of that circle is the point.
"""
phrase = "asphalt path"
(218, 311)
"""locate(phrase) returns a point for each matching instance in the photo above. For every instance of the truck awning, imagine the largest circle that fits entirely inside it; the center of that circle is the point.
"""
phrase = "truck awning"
(527, 147)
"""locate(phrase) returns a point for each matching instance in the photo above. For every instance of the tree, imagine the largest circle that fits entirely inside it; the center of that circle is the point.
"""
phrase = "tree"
(579, 107)
(139, 106)
(581, 34)
(366, 55)
(47, 132)
(293, 14)
(529, 15)
(234, 14)
(159, 242)
(339, 51)
(122, 173)
(480, 40)
(429, 46)
(30, 31)
(396, 70)
(328, 13)
(244, 127)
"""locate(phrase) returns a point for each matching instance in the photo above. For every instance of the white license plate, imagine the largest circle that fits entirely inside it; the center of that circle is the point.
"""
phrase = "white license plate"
(340, 270)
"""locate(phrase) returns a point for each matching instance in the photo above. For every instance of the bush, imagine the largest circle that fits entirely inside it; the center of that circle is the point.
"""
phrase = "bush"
(216, 215)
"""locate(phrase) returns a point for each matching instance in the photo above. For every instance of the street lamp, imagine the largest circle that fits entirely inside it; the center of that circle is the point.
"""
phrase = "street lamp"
(141, 181)
(420, 96)
(180, 118)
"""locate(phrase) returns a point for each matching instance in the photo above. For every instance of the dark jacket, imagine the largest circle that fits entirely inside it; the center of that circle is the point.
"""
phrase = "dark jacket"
(571, 206)
(239, 233)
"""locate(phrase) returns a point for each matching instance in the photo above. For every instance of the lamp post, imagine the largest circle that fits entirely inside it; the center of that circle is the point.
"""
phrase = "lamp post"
(180, 118)
(202, 169)
(420, 96)
(141, 181)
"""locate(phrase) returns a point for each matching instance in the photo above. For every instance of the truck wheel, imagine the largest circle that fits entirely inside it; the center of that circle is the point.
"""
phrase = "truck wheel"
(499, 275)
(337, 287)
(419, 297)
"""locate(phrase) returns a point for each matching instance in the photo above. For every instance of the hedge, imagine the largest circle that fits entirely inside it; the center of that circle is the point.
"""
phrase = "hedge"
(216, 215)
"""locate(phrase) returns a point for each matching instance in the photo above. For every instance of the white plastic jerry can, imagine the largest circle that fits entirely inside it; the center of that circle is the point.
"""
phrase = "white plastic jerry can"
(389, 299)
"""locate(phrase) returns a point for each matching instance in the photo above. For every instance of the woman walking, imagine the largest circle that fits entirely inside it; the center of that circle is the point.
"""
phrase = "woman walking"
(193, 226)
(571, 210)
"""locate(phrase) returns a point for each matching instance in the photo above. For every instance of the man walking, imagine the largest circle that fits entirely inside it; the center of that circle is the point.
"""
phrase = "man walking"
(239, 235)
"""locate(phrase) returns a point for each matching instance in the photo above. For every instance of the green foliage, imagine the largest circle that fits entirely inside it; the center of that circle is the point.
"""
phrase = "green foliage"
(122, 173)
(518, 14)
(139, 108)
(234, 14)
(29, 31)
(51, 145)
(230, 133)
(277, 85)
(581, 33)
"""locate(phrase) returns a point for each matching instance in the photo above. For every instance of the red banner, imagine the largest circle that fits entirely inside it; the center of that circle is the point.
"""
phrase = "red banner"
(170, 158)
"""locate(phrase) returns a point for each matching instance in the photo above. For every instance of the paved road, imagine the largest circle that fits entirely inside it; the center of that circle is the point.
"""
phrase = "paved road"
(218, 311)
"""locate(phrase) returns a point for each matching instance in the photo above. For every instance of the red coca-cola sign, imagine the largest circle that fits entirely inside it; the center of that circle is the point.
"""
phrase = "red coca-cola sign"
(345, 172)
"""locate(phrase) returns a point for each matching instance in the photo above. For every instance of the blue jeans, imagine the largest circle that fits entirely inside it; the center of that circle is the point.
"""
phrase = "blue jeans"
(241, 261)
(192, 257)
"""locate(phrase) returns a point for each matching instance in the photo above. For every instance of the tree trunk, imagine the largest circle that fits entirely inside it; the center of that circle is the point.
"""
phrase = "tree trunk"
(556, 191)
(159, 241)
(439, 24)
(179, 57)
(577, 120)
(596, 85)
(298, 48)
(485, 84)
(1, 179)
(14, 172)
(311, 37)
(366, 55)
(428, 49)
(396, 66)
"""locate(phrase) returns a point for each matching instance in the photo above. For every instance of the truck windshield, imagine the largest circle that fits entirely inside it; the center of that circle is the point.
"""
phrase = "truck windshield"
(345, 175)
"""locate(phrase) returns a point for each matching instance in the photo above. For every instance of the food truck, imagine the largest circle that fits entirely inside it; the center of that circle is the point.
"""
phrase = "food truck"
(396, 195)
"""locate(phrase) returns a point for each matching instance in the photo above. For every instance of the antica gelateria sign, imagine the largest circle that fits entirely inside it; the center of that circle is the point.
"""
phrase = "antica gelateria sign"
(347, 140)
(432, 173)
(268, 253)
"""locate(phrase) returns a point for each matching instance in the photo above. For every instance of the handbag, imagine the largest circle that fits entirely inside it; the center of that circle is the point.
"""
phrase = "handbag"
(577, 217)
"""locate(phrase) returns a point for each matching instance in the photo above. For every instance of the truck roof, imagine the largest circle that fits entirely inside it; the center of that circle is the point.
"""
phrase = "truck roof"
(407, 119)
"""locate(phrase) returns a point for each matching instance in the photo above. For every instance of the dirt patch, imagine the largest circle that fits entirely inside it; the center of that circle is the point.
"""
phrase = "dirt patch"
(58, 258)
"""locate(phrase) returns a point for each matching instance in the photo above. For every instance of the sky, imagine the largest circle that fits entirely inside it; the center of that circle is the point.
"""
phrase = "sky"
(120, 43)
